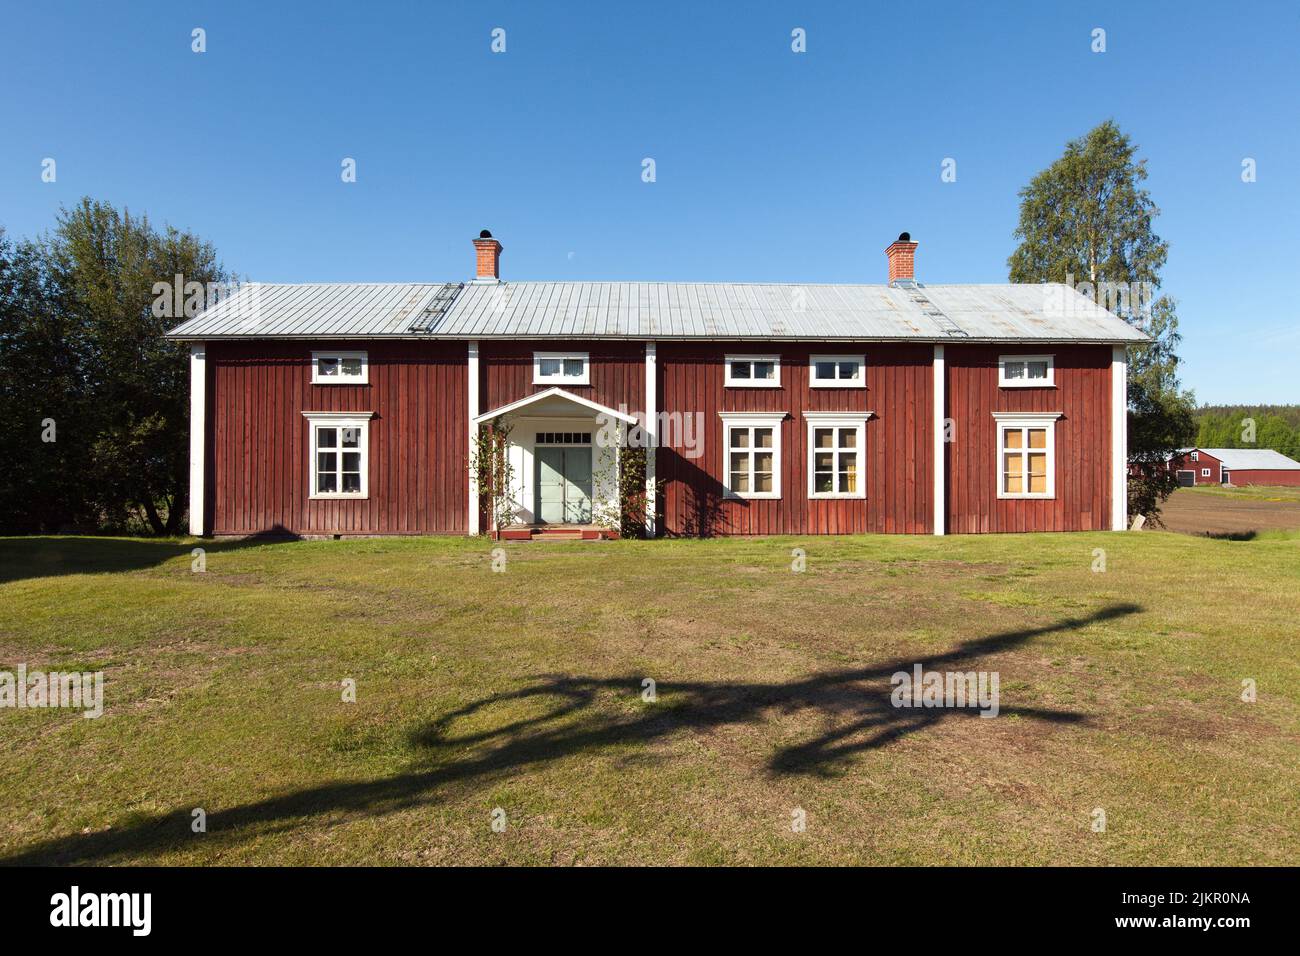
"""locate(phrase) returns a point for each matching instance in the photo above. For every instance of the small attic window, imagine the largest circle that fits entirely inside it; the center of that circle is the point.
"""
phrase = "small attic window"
(340, 368)
(1027, 371)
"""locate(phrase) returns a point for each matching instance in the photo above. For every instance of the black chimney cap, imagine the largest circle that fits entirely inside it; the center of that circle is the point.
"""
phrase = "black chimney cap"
(904, 237)
(484, 234)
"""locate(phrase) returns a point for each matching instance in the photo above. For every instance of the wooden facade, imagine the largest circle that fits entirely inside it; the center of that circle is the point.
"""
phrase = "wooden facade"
(257, 472)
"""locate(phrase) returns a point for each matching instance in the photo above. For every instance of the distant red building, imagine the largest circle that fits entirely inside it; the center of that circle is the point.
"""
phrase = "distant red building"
(1234, 466)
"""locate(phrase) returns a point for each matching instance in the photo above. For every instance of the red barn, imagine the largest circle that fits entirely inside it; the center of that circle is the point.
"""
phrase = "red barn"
(1234, 466)
(340, 409)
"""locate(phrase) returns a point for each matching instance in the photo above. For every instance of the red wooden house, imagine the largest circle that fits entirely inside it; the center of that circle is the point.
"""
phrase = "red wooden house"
(340, 409)
(1234, 466)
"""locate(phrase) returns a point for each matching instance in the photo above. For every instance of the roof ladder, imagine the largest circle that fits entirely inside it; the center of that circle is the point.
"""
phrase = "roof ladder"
(932, 311)
(427, 321)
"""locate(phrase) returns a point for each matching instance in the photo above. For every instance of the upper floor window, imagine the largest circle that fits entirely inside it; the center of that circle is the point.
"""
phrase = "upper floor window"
(340, 368)
(836, 371)
(1027, 371)
(753, 371)
(561, 368)
(340, 454)
(1196, 456)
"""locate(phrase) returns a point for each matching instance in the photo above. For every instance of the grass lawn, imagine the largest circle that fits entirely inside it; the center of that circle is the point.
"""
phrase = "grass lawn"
(522, 690)
(1289, 493)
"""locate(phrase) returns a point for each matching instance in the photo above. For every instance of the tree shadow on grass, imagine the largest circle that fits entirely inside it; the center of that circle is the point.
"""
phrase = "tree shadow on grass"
(855, 702)
(42, 556)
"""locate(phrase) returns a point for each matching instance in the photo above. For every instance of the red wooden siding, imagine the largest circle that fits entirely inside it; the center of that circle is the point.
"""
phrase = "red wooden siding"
(258, 441)
(1260, 476)
(1082, 395)
(898, 443)
(1205, 460)
(617, 372)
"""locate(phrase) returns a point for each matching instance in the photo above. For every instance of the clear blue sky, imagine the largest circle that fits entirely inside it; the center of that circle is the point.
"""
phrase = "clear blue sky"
(771, 165)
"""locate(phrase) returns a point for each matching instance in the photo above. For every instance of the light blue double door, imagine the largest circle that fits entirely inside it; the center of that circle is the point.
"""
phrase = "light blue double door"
(563, 483)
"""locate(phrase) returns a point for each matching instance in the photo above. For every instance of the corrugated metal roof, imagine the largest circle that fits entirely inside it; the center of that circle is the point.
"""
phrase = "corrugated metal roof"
(660, 310)
(1235, 459)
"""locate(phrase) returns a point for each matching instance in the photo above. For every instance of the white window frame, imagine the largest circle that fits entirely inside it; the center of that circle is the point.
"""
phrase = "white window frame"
(752, 420)
(340, 379)
(837, 382)
(1196, 456)
(774, 382)
(358, 420)
(1045, 420)
(1004, 382)
(855, 420)
(1205, 473)
(562, 379)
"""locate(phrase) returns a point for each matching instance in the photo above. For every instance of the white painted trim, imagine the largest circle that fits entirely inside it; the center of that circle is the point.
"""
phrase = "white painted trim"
(651, 432)
(939, 520)
(858, 422)
(553, 392)
(1119, 438)
(1027, 420)
(859, 382)
(561, 379)
(340, 420)
(362, 379)
(771, 420)
(471, 403)
(1004, 382)
(774, 382)
(198, 436)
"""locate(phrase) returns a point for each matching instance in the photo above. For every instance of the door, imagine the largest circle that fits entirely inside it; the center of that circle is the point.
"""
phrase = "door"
(1187, 478)
(563, 485)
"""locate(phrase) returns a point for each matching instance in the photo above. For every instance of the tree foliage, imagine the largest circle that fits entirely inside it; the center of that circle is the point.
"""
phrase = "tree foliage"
(1087, 221)
(80, 345)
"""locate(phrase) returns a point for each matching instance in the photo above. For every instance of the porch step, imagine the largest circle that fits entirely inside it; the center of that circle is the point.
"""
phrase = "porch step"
(556, 534)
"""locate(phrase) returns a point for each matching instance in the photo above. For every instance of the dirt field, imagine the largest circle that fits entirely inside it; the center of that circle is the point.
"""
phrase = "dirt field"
(1223, 512)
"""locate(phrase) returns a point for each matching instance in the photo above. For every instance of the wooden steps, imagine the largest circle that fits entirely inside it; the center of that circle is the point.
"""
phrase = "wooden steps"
(555, 533)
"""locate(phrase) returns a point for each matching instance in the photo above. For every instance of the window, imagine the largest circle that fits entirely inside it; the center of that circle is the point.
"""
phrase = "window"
(836, 371)
(837, 454)
(561, 368)
(1026, 454)
(340, 454)
(1205, 473)
(753, 371)
(1027, 371)
(751, 461)
(340, 368)
(1196, 456)
(564, 438)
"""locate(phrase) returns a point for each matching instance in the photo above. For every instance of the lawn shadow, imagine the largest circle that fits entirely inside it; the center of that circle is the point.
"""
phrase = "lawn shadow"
(855, 703)
(43, 556)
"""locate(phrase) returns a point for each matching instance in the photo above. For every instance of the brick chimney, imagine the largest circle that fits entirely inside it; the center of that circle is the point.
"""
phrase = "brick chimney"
(489, 258)
(902, 259)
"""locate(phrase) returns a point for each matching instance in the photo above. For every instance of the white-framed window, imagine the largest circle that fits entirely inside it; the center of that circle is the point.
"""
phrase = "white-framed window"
(1027, 371)
(751, 454)
(837, 371)
(837, 454)
(1205, 473)
(753, 371)
(340, 368)
(561, 368)
(339, 447)
(1026, 465)
(1196, 456)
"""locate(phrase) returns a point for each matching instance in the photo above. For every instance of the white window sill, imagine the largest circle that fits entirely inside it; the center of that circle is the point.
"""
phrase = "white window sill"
(755, 496)
(1008, 496)
(815, 384)
(752, 385)
(1026, 385)
(337, 496)
(337, 381)
(561, 381)
(837, 496)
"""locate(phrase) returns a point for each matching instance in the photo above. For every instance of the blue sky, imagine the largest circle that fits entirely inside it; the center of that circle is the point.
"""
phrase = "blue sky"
(770, 165)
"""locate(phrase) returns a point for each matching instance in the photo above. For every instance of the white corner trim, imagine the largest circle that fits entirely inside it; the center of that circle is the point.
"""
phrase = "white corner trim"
(940, 452)
(651, 432)
(471, 402)
(1119, 438)
(198, 437)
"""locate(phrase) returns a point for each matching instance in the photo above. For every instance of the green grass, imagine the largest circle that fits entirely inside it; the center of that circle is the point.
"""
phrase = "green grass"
(1247, 492)
(522, 691)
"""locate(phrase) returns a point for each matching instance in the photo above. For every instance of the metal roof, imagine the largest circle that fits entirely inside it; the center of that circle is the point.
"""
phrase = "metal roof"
(660, 310)
(1245, 459)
